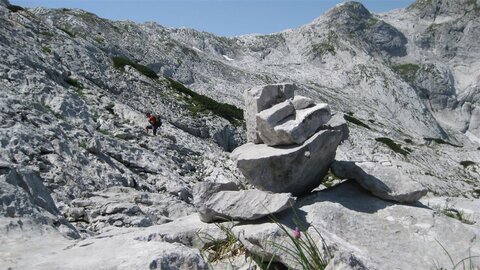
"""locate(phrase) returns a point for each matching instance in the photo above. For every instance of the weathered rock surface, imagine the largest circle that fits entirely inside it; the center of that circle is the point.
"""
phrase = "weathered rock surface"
(115, 249)
(368, 231)
(260, 98)
(292, 169)
(283, 125)
(245, 205)
(385, 182)
(203, 191)
(301, 102)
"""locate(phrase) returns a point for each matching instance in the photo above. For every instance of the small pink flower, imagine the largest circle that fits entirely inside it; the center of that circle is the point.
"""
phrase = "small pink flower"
(296, 233)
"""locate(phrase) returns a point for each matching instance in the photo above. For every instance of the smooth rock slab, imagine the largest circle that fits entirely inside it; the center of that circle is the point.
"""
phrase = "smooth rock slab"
(203, 191)
(294, 169)
(365, 232)
(385, 182)
(260, 98)
(283, 125)
(245, 205)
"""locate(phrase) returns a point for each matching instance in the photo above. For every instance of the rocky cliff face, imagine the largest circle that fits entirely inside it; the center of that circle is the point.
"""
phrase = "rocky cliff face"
(74, 88)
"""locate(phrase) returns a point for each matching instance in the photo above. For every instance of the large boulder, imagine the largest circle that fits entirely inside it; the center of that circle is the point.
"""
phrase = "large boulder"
(260, 98)
(295, 169)
(245, 205)
(118, 248)
(203, 191)
(283, 125)
(385, 182)
(364, 232)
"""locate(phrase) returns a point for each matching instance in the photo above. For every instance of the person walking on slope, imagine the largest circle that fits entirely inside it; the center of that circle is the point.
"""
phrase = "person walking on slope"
(154, 123)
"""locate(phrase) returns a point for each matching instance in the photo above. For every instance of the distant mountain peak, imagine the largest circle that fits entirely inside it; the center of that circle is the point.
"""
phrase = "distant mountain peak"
(430, 9)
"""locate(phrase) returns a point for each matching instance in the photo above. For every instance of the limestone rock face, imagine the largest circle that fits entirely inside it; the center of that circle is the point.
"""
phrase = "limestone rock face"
(301, 102)
(384, 182)
(358, 228)
(260, 98)
(296, 169)
(245, 205)
(283, 125)
(202, 192)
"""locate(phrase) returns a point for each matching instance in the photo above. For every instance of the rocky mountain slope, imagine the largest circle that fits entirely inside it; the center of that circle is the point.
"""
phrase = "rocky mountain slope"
(75, 162)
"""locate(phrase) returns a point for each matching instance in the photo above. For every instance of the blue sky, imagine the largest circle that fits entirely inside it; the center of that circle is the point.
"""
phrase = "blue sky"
(221, 17)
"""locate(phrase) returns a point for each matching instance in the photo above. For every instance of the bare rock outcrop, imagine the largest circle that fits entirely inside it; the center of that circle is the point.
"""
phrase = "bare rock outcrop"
(299, 142)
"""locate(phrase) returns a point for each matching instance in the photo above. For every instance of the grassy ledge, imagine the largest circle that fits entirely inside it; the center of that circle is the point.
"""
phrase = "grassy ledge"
(355, 121)
(397, 148)
(120, 63)
(202, 103)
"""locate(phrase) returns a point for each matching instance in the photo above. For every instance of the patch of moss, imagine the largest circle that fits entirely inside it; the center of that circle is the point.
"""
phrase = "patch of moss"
(407, 71)
(355, 121)
(466, 163)
(68, 31)
(456, 214)
(408, 141)
(15, 8)
(73, 82)
(46, 33)
(440, 141)
(395, 147)
(201, 103)
(109, 108)
(46, 49)
(121, 62)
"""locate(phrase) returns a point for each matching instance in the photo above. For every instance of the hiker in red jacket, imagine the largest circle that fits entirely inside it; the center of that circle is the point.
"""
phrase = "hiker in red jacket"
(154, 123)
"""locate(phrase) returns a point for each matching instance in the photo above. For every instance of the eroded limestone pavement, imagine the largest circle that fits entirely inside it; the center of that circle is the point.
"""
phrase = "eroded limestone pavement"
(82, 186)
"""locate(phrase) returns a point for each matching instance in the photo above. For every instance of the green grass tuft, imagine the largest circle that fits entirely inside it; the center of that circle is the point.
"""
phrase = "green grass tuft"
(15, 8)
(467, 163)
(440, 141)
(46, 49)
(121, 62)
(73, 82)
(201, 103)
(355, 121)
(407, 71)
(397, 148)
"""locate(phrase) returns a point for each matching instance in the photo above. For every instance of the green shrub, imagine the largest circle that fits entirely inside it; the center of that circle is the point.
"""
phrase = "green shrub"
(397, 148)
(440, 141)
(73, 82)
(407, 71)
(67, 31)
(46, 49)
(46, 33)
(121, 62)
(109, 108)
(355, 121)
(201, 103)
(15, 8)
(467, 163)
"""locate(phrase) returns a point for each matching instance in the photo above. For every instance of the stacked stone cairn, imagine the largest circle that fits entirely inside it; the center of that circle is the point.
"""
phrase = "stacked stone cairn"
(291, 143)
(291, 140)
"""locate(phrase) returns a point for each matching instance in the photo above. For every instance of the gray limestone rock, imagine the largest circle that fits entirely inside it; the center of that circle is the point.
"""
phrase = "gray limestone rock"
(354, 225)
(295, 169)
(338, 122)
(283, 125)
(386, 182)
(260, 98)
(203, 191)
(28, 192)
(301, 102)
(4, 3)
(245, 205)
